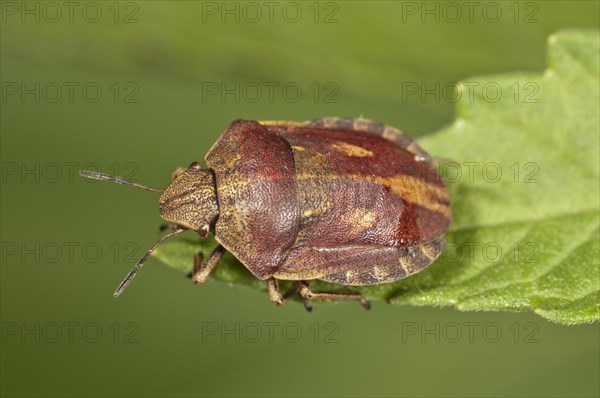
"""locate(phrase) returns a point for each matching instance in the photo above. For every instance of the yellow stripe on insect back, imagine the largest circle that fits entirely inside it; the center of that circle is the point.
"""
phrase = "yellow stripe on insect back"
(352, 150)
(417, 191)
(409, 188)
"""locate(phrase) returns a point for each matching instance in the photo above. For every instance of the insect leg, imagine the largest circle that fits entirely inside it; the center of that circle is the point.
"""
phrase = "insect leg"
(202, 271)
(274, 293)
(280, 299)
(306, 293)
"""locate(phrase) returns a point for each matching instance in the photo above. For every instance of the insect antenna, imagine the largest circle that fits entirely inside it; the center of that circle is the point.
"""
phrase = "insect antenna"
(94, 175)
(140, 263)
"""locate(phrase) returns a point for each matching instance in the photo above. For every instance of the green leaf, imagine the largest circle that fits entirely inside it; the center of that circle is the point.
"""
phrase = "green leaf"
(523, 170)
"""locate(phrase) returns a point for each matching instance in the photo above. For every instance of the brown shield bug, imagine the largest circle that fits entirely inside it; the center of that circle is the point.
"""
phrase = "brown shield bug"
(347, 201)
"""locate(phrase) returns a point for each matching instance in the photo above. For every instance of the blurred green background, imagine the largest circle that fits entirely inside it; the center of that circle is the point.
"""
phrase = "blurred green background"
(125, 87)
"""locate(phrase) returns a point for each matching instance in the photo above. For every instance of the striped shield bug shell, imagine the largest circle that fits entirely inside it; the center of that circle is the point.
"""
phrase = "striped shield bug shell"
(347, 201)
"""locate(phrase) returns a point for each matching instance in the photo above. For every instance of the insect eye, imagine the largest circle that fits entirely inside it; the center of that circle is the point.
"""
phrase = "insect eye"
(194, 166)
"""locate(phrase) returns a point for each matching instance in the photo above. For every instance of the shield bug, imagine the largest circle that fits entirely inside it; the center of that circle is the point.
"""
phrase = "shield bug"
(347, 201)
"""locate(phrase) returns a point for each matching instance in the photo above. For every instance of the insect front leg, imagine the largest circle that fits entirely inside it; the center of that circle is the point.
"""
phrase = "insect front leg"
(201, 271)
(308, 294)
